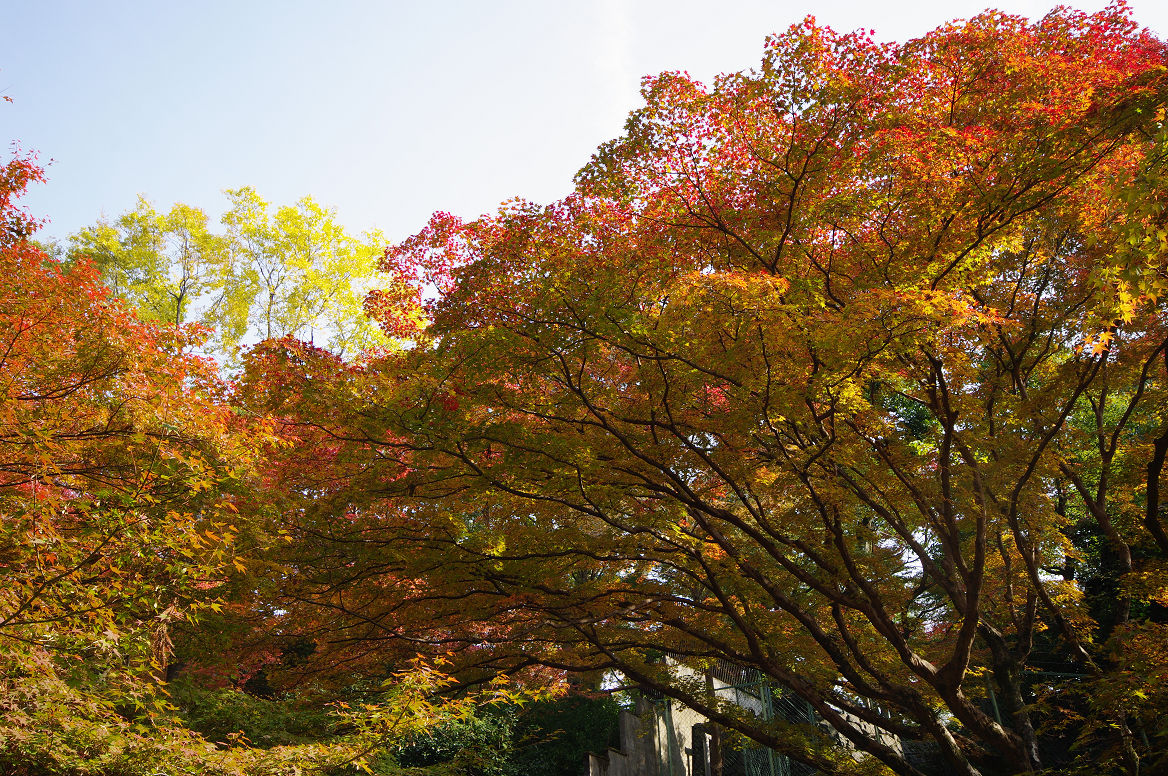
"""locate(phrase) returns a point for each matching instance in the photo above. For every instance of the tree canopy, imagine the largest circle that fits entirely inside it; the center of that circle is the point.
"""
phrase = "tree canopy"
(848, 372)
(849, 369)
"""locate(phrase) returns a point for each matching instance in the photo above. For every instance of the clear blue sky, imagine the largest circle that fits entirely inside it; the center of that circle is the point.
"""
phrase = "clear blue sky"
(386, 111)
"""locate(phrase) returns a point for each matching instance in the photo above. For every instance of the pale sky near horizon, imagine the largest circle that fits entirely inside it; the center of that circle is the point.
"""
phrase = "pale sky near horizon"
(385, 111)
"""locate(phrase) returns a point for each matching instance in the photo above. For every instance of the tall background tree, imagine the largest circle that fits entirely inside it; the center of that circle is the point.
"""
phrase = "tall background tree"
(167, 265)
(294, 272)
(305, 274)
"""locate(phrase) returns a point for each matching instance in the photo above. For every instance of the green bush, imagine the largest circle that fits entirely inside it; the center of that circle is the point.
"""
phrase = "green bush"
(221, 714)
(479, 746)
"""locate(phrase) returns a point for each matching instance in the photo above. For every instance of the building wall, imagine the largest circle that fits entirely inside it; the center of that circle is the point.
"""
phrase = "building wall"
(668, 738)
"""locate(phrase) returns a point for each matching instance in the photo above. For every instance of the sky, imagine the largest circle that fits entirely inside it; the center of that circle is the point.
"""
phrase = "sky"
(386, 111)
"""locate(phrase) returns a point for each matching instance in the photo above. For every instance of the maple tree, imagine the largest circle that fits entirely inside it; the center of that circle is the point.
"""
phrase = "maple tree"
(836, 371)
(306, 588)
(112, 449)
(121, 464)
(112, 457)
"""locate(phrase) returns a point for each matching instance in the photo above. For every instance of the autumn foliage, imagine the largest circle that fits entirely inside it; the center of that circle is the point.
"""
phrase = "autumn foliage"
(848, 371)
(128, 492)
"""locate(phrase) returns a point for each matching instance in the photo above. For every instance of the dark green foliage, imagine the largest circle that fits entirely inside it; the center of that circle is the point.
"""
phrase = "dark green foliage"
(480, 746)
(549, 738)
(553, 737)
(221, 715)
